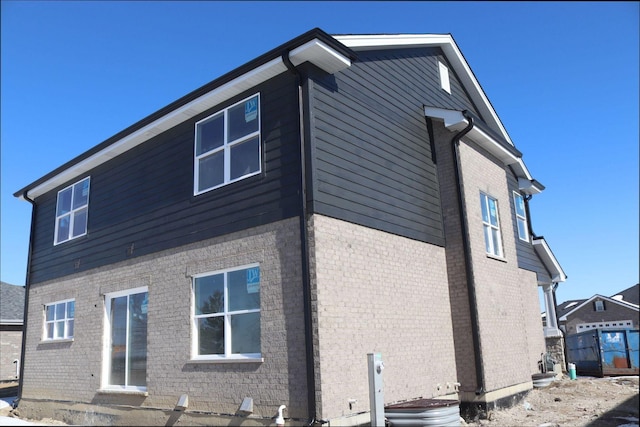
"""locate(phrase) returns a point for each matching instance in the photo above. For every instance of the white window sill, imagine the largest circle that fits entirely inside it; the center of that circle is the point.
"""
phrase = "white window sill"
(496, 257)
(228, 360)
(114, 391)
(56, 341)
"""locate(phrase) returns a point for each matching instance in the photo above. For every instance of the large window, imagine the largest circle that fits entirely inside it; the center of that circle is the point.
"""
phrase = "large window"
(227, 146)
(227, 314)
(126, 347)
(521, 216)
(491, 225)
(58, 320)
(71, 211)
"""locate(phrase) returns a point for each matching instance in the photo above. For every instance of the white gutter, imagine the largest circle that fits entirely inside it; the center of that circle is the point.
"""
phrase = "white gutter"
(314, 51)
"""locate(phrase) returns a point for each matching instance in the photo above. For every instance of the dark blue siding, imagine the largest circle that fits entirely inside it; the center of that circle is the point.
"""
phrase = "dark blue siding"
(373, 163)
(142, 201)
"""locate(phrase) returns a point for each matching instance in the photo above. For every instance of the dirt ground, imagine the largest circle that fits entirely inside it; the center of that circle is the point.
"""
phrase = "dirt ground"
(584, 402)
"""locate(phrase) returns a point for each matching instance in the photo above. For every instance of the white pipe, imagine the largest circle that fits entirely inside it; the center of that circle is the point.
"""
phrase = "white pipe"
(280, 419)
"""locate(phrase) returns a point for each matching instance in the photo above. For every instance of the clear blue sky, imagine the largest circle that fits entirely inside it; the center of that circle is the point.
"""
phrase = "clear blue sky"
(563, 78)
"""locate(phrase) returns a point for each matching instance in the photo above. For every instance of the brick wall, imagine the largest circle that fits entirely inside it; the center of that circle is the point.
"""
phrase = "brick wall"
(72, 371)
(10, 345)
(588, 314)
(378, 292)
(507, 297)
(508, 306)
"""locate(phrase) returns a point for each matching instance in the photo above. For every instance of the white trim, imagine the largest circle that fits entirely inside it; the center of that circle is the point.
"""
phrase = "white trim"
(455, 121)
(313, 51)
(452, 53)
(523, 218)
(72, 212)
(227, 356)
(226, 147)
(443, 72)
(611, 300)
(549, 260)
(106, 341)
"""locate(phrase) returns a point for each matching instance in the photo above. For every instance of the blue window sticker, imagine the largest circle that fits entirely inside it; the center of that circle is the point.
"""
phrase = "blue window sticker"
(253, 280)
(251, 109)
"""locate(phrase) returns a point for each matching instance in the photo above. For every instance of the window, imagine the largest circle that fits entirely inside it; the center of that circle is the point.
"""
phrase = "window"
(71, 211)
(599, 305)
(126, 346)
(58, 320)
(227, 146)
(227, 314)
(444, 77)
(521, 216)
(492, 242)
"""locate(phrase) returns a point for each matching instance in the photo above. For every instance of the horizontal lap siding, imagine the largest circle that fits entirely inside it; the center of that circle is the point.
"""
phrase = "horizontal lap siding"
(144, 197)
(527, 257)
(372, 162)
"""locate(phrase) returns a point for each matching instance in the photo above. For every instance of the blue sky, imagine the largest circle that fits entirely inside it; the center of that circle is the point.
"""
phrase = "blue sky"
(563, 78)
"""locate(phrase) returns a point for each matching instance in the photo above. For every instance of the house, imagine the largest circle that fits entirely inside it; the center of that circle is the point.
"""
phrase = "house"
(11, 323)
(249, 245)
(620, 311)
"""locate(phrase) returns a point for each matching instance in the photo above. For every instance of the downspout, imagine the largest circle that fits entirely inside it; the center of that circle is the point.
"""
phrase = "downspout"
(26, 296)
(471, 286)
(304, 244)
(526, 210)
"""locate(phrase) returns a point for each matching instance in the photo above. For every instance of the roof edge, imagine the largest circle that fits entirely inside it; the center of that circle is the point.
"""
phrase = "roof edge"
(337, 55)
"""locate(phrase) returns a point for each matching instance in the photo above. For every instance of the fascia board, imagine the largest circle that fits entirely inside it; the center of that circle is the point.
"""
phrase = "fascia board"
(451, 51)
(455, 121)
(549, 260)
(314, 51)
(609, 300)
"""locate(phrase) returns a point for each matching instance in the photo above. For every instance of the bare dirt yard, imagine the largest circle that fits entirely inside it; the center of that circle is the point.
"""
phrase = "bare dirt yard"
(584, 402)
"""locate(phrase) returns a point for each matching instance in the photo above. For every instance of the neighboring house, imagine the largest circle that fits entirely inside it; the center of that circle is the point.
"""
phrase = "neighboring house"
(619, 311)
(11, 324)
(248, 245)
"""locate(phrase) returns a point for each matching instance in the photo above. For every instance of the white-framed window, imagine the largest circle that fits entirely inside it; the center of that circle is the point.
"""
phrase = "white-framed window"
(226, 314)
(227, 146)
(72, 208)
(125, 350)
(521, 216)
(491, 225)
(443, 71)
(59, 320)
(599, 305)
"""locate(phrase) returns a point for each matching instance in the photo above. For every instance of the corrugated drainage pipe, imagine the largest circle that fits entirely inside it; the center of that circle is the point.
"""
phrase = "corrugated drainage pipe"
(471, 286)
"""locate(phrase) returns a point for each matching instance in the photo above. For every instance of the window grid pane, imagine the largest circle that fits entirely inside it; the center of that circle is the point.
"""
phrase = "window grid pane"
(491, 228)
(227, 313)
(59, 320)
(72, 211)
(227, 146)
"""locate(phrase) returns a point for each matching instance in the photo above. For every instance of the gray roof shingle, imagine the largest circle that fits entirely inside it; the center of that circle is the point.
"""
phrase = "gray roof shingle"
(11, 304)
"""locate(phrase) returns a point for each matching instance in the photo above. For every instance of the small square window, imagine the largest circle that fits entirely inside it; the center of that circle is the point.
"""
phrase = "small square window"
(59, 320)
